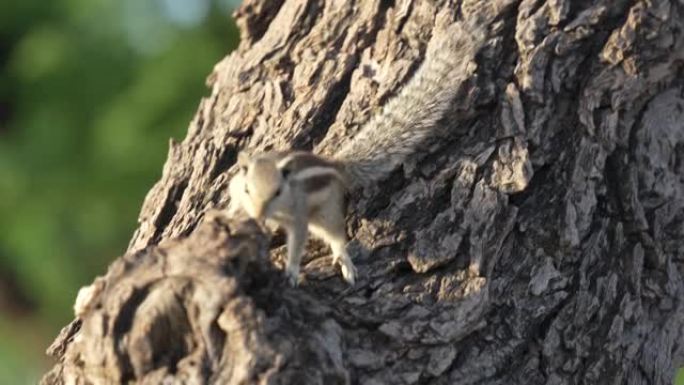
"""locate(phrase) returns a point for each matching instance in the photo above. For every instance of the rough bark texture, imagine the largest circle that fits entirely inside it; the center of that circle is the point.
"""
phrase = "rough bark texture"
(563, 181)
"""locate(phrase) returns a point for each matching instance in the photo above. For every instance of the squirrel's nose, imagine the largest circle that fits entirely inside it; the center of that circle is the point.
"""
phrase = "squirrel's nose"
(259, 213)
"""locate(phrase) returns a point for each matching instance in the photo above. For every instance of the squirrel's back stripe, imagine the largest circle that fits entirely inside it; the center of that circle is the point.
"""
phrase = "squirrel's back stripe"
(318, 182)
(299, 160)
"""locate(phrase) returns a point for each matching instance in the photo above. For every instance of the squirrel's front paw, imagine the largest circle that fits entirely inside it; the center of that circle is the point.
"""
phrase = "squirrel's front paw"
(348, 271)
(292, 275)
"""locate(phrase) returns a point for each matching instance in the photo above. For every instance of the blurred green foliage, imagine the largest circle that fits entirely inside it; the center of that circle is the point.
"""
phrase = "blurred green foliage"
(90, 93)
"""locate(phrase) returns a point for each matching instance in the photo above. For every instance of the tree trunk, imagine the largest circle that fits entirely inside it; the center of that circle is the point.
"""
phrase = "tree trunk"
(563, 182)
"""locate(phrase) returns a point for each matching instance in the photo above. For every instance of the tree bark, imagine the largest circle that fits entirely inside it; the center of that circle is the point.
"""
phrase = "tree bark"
(563, 182)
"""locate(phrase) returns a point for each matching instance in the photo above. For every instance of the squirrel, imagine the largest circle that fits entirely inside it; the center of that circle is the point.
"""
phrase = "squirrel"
(303, 192)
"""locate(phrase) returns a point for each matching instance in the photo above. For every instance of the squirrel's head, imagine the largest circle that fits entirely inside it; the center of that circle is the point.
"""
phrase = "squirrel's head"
(265, 185)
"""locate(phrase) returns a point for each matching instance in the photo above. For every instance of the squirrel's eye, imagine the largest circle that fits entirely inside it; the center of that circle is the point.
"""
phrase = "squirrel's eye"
(278, 191)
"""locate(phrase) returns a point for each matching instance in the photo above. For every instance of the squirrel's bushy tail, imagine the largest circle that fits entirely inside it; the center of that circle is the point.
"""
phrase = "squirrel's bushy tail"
(410, 118)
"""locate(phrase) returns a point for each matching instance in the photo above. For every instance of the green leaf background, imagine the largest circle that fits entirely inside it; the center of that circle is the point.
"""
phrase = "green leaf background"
(90, 93)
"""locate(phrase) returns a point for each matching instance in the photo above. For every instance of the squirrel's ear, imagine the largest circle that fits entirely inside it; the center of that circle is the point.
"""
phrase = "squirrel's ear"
(242, 162)
(242, 159)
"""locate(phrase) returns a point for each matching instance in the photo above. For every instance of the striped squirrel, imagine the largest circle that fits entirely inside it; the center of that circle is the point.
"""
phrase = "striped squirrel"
(303, 192)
